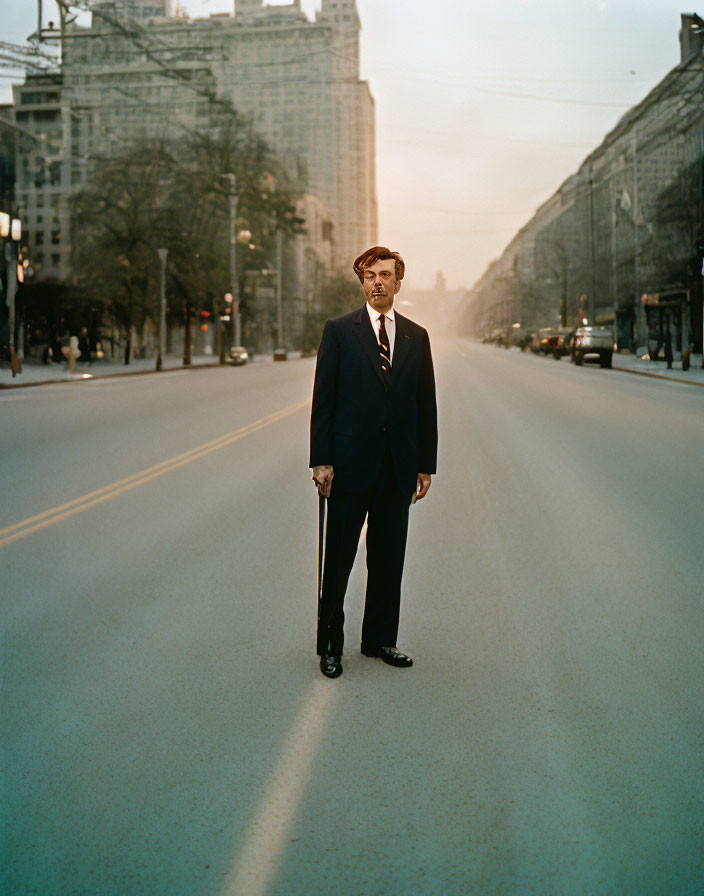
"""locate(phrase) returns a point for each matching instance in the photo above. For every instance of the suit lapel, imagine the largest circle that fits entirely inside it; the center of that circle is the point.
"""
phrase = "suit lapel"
(402, 345)
(364, 331)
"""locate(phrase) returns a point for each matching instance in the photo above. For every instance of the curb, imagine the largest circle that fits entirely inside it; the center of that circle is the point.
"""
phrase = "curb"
(106, 376)
(658, 376)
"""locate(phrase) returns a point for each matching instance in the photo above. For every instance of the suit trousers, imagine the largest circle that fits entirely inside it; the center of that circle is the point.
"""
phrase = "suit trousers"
(385, 508)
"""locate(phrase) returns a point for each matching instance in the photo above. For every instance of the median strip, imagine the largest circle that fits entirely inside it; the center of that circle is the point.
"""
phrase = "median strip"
(85, 502)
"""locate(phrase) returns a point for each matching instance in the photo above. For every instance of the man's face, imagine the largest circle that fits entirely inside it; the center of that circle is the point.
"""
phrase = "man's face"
(380, 285)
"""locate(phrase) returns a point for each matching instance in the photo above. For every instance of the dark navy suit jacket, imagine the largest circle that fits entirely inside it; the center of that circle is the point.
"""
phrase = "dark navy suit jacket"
(357, 412)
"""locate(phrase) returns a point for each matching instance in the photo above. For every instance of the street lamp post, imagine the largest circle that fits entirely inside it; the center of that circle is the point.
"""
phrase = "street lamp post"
(700, 245)
(280, 352)
(12, 228)
(233, 258)
(592, 252)
(163, 253)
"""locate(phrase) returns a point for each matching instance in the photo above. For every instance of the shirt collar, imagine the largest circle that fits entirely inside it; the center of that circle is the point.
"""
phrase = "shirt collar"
(374, 314)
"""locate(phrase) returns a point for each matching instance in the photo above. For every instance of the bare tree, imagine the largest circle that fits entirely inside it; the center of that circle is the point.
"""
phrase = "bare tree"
(157, 195)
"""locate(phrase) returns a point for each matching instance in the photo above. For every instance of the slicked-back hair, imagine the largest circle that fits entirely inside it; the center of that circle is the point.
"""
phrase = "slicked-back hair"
(378, 253)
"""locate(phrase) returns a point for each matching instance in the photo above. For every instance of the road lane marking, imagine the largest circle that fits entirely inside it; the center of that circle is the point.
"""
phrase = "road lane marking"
(265, 841)
(54, 515)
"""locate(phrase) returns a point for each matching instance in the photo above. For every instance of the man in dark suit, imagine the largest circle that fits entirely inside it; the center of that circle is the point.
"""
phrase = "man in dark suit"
(373, 450)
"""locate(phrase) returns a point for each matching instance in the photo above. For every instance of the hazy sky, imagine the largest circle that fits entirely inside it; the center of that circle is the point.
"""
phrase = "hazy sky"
(482, 110)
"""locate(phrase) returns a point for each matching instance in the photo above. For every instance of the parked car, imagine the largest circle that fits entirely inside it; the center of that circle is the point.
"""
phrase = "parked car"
(496, 337)
(547, 337)
(562, 341)
(518, 336)
(552, 341)
(238, 355)
(593, 342)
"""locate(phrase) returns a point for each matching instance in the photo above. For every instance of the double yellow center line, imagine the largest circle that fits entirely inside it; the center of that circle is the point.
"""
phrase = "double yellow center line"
(108, 492)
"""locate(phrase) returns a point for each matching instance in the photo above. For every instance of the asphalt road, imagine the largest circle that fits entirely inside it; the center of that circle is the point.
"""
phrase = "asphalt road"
(165, 728)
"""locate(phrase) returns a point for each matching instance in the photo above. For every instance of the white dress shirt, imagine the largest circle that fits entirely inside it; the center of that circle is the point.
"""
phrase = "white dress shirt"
(389, 323)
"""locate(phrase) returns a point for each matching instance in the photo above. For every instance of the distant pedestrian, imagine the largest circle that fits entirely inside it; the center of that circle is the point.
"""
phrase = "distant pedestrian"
(668, 344)
(70, 350)
(373, 450)
(84, 346)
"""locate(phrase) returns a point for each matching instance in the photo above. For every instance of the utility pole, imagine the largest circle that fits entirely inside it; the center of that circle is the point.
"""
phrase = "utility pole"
(592, 251)
(701, 231)
(162, 324)
(637, 220)
(233, 259)
(614, 251)
(280, 352)
(11, 232)
(11, 263)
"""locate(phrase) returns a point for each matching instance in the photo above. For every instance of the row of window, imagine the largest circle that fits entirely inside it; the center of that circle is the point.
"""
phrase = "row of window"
(28, 98)
(38, 257)
(36, 238)
(37, 115)
(38, 174)
(38, 200)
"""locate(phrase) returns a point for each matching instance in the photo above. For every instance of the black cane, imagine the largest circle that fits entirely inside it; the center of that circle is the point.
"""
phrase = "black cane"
(322, 507)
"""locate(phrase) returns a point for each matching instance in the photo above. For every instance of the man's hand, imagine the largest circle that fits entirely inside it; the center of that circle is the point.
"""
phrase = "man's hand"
(423, 485)
(322, 477)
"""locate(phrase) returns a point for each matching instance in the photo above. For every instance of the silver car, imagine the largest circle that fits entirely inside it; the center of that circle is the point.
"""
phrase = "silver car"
(592, 342)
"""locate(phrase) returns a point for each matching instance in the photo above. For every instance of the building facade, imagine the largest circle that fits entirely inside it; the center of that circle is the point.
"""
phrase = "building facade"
(621, 241)
(141, 72)
(38, 119)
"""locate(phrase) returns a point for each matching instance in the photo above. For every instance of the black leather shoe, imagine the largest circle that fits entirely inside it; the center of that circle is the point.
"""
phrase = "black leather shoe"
(389, 655)
(331, 665)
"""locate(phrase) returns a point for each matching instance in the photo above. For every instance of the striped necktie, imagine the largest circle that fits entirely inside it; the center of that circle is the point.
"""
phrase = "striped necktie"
(384, 347)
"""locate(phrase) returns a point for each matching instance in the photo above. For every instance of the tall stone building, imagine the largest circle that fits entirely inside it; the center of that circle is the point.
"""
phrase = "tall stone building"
(136, 9)
(140, 71)
(38, 116)
(622, 239)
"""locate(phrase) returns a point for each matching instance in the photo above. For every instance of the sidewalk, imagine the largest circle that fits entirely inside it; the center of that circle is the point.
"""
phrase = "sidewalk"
(631, 364)
(34, 374)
